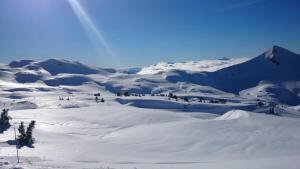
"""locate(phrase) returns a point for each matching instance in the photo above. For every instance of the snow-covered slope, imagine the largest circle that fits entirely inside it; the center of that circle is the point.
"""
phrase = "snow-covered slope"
(198, 66)
(58, 66)
(282, 92)
(204, 126)
(55, 73)
(121, 136)
(52, 72)
(277, 65)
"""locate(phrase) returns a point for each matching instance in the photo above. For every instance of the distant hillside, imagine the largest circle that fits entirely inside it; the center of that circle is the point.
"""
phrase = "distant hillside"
(52, 72)
(271, 76)
(198, 66)
(277, 65)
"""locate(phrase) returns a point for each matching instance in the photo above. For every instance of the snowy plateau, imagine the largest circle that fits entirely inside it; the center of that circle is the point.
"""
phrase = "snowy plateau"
(211, 114)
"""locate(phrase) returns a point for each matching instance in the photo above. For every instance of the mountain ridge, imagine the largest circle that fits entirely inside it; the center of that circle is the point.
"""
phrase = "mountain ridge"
(277, 66)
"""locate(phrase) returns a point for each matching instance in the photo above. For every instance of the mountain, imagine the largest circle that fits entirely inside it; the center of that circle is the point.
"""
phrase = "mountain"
(55, 66)
(199, 125)
(281, 92)
(52, 72)
(275, 65)
(271, 76)
(131, 70)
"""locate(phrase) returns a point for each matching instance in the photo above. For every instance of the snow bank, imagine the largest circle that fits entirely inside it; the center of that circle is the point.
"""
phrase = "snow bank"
(234, 114)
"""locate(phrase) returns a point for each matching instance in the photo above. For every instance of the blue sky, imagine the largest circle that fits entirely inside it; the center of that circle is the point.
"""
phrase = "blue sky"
(123, 33)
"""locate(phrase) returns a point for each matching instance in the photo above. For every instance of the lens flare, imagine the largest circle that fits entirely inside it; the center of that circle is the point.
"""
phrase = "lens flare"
(95, 34)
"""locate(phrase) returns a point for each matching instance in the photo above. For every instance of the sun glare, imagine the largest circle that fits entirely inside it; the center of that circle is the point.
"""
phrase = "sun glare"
(94, 33)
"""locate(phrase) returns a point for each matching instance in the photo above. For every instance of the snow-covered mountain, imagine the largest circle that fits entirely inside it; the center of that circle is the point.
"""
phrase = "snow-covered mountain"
(277, 66)
(52, 72)
(58, 66)
(222, 118)
(278, 92)
(197, 66)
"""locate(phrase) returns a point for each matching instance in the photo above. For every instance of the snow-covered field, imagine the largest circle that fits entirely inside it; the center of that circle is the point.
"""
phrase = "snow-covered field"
(209, 126)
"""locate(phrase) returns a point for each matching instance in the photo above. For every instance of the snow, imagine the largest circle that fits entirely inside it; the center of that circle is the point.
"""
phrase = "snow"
(148, 130)
(198, 66)
(234, 114)
(122, 136)
(236, 78)
(281, 92)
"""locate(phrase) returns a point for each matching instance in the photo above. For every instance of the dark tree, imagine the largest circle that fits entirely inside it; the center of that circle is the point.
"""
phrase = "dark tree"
(97, 94)
(186, 99)
(25, 138)
(200, 99)
(119, 94)
(175, 97)
(170, 95)
(4, 118)
(271, 110)
(223, 101)
(29, 138)
(22, 135)
(260, 103)
(214, 101)
(126, 93)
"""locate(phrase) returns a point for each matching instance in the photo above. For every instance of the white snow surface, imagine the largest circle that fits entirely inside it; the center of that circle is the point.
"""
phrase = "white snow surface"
(123, 136)
(197, 66)
(205, 127)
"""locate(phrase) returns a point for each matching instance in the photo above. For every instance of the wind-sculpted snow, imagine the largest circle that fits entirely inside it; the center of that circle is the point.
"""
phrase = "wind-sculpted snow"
(122, 136)
(234, 114)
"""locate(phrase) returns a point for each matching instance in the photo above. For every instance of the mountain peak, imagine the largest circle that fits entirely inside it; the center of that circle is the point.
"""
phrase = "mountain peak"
(225, 58)
(277, 54)
(56, 66)
(278, 47)
(20, 63)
